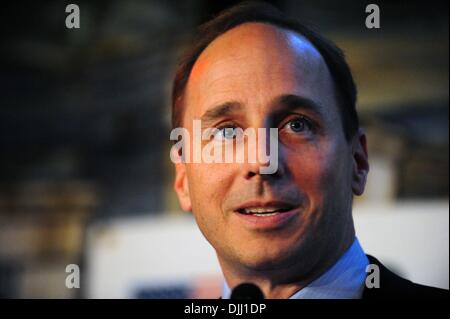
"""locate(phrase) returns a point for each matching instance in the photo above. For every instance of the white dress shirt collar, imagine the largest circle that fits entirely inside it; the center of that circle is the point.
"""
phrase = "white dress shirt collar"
(344, 280)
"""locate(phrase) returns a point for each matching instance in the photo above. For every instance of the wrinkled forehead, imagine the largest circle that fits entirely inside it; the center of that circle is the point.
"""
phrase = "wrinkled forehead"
(254, 52)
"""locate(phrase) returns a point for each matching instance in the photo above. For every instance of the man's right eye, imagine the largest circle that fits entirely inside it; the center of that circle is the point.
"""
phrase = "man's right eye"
(225, 133)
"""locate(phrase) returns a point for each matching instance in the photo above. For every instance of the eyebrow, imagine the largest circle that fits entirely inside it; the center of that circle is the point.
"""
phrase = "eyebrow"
(220, 111)
(279, 106)
(291, 101)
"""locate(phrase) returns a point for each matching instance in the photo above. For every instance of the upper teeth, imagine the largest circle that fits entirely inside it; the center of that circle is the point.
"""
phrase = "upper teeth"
(260, 210)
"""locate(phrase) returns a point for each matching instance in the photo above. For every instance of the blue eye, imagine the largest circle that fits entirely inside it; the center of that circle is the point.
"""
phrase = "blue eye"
(299, 125)
(226, 133)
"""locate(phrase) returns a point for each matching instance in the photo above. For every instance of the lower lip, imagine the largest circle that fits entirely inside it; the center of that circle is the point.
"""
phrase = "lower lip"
(268, 222)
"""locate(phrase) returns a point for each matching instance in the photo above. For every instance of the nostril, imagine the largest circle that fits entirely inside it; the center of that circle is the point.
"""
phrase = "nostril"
(251, 174)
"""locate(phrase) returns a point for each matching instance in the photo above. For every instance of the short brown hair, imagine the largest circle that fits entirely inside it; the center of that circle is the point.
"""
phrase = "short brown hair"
(265, 13)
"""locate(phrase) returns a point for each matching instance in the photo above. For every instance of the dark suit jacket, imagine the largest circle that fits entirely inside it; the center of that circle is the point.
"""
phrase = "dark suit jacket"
(395, 287)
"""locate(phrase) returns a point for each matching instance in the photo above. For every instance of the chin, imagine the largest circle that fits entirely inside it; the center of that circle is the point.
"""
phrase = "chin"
(264, 260)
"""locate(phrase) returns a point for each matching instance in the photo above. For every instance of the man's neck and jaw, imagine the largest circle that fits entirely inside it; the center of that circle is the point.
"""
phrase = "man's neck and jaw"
(284, 282)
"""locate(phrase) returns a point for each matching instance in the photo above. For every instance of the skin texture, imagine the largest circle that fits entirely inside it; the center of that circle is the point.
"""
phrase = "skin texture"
(251, 67)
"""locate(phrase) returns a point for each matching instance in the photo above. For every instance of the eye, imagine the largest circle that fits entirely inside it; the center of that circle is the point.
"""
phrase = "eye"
(225, 133)
(299, 125)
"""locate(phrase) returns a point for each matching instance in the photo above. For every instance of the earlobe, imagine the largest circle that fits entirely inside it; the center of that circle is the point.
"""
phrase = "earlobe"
(360, 162)
(181, 187)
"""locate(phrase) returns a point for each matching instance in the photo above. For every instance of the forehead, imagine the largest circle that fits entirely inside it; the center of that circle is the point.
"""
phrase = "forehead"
(256, 62)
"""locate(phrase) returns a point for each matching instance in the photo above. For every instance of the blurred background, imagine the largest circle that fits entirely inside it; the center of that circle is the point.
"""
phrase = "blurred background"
(85, 173)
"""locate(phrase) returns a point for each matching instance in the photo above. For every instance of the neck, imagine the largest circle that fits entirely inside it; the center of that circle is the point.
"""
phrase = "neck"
(285, 281)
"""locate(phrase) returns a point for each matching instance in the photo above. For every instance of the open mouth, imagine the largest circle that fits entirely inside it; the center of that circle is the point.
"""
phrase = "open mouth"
(267, 216)
(264, 211)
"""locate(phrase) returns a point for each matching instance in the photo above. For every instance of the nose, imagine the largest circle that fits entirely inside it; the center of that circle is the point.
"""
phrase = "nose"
(263, 155)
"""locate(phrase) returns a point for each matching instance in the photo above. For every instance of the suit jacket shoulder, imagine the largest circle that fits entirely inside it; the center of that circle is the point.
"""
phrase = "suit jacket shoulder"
(393, 286)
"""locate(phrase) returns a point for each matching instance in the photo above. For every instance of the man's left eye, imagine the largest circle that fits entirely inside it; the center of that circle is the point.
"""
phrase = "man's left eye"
(299, 125)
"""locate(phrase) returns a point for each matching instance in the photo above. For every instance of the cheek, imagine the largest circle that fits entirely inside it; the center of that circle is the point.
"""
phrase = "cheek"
(318, 170)
(208, 184)
(208, 187)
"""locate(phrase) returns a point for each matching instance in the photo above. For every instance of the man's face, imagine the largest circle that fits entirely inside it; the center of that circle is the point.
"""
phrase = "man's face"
(260, 76)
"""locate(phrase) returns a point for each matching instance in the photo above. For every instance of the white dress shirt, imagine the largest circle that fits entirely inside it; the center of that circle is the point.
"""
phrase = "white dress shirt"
(344, 280)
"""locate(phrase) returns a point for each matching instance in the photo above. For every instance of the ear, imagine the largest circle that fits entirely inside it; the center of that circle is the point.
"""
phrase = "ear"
(360, 162)
(181, 186)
